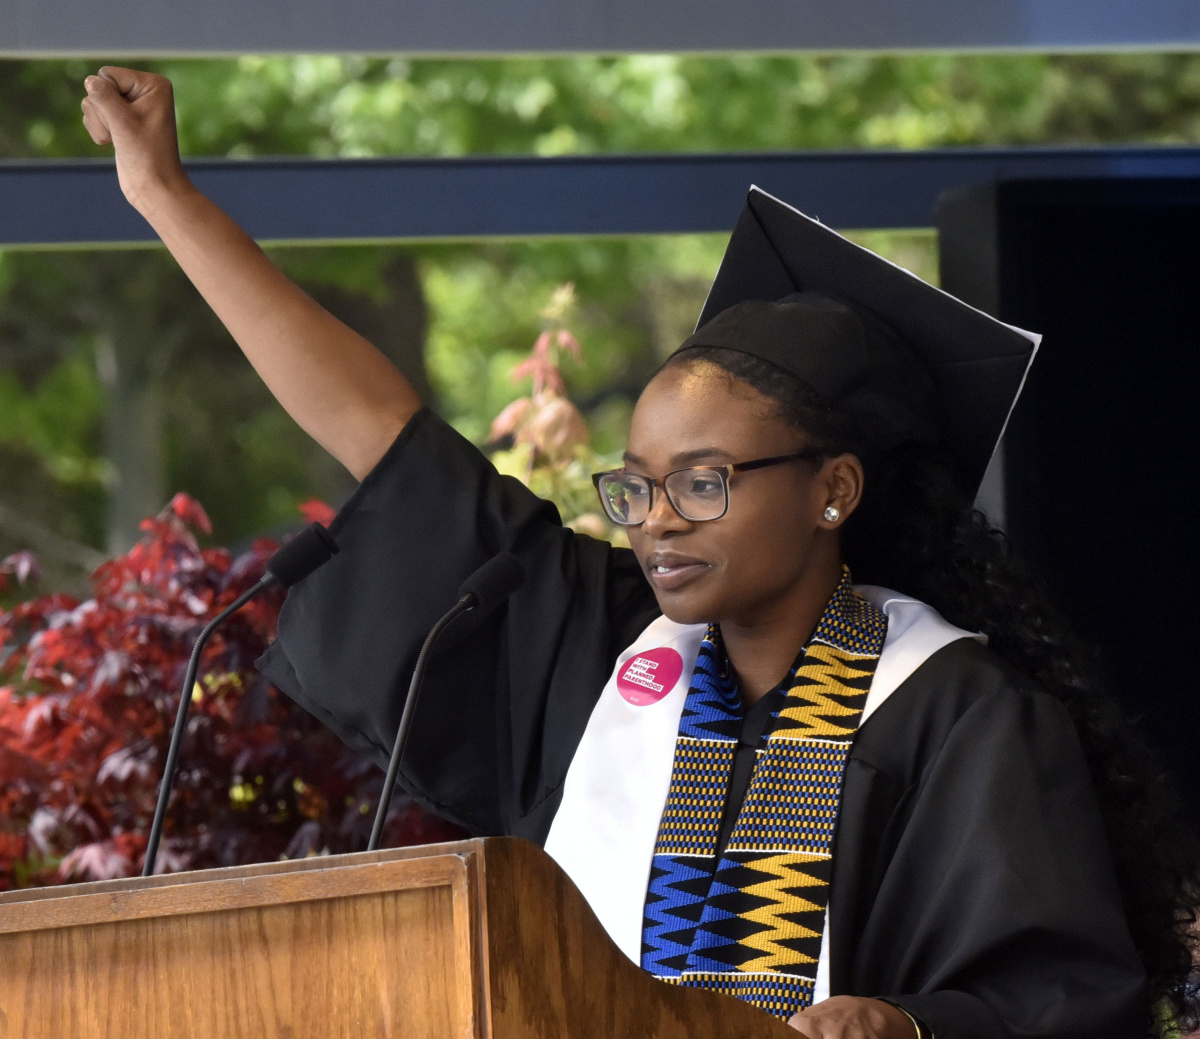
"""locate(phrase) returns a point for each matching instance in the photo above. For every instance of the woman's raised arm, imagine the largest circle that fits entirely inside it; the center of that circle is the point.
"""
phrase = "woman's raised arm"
(341, 390)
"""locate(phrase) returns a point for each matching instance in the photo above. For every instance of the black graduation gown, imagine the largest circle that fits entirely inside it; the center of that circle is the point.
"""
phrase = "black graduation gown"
(972, 882)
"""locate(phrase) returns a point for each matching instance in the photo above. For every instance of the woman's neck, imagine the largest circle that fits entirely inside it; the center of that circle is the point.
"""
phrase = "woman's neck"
(762, 648)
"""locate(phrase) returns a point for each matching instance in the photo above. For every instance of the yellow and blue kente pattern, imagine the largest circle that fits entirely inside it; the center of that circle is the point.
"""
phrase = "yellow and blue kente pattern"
(749, 922)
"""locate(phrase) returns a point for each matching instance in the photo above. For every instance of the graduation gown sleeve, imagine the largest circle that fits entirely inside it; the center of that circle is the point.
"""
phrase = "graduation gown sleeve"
(506, 696)
(973, 884)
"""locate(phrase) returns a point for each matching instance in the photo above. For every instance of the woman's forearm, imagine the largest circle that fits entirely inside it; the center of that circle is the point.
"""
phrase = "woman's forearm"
(335, 384)
(340, 389)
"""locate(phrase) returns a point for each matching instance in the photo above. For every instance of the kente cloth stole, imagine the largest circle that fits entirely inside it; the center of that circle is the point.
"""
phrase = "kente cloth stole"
(750, 923)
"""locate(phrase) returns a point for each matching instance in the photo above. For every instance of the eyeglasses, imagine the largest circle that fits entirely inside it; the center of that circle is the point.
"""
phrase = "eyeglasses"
(698, 493)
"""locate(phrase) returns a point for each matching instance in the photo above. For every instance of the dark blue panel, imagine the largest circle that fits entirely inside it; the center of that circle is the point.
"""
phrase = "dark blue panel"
(278, 200)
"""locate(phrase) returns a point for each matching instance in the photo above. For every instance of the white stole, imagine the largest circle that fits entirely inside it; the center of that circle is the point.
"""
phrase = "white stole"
(604, 832)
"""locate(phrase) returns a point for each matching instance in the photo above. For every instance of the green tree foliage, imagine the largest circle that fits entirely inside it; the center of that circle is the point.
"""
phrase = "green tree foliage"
(118, 390)
(357, 106)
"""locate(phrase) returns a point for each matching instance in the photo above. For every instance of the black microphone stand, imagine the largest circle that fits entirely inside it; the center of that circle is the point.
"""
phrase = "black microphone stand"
(467, 602)
(181, 717)
(484, 590)
(311, 548)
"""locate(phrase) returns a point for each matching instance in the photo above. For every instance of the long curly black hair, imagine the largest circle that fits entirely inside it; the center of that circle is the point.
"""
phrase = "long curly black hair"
(916, 531)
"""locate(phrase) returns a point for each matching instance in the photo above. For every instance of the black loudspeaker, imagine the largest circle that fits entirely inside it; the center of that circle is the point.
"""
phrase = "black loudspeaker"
(1101, 462)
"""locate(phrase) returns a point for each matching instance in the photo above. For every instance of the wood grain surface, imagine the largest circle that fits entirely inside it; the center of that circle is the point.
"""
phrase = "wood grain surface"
(378, 945)
(553, 972)
(473, 940)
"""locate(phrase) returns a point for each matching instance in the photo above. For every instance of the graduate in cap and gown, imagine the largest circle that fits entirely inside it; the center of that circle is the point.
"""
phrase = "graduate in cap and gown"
(813, 742)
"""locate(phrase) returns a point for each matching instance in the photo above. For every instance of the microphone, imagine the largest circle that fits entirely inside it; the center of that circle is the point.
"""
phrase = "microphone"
(487, 588)
(312, 547)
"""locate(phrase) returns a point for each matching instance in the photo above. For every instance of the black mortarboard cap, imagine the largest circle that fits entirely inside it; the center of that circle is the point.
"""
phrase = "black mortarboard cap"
(910, 359)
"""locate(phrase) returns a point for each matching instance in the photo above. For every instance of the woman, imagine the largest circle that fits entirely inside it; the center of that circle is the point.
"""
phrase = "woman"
(682, 725)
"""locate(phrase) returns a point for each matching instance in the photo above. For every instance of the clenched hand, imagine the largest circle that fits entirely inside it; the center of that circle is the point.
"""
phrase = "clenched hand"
(135, 112)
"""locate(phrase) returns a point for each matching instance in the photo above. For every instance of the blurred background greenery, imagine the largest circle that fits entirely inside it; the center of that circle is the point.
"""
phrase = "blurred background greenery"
(117, 388)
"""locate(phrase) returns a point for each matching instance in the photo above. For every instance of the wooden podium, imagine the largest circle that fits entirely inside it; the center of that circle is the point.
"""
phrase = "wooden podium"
(483, 939)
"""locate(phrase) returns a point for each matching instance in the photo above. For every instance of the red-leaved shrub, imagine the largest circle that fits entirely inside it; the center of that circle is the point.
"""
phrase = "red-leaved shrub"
(88, 694)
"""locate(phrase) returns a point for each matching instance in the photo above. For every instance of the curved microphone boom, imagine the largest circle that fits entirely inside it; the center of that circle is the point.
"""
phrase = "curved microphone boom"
(311, 548)
(484, 590)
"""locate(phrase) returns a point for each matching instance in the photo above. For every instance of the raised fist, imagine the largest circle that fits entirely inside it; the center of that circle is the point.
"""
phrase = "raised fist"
(135, 112)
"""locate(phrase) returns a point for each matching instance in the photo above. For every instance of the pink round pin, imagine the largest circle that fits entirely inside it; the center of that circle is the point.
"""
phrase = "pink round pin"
(647, 677)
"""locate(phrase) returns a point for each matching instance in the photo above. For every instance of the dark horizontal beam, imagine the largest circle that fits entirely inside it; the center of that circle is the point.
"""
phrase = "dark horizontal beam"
(79, 202)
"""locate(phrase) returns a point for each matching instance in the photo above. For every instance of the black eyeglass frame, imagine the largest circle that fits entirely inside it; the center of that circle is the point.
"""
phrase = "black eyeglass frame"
(725, 472)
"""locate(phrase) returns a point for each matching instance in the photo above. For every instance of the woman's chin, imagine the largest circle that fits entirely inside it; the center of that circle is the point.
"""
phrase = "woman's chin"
(683, 608)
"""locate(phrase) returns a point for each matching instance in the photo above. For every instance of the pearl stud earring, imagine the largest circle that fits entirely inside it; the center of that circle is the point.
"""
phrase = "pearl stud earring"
(832, 513)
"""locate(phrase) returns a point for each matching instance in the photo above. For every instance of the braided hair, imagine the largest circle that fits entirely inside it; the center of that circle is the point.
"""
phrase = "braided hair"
(916, 531)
